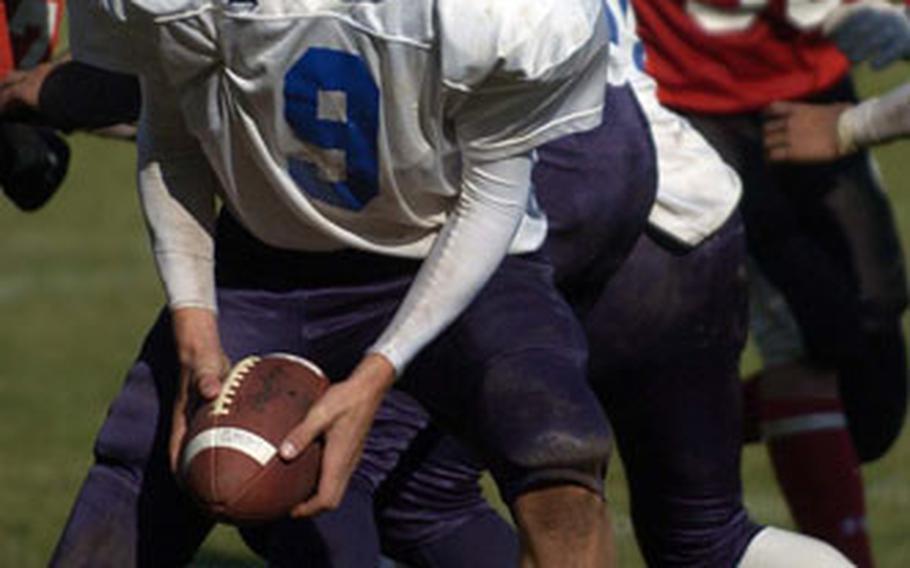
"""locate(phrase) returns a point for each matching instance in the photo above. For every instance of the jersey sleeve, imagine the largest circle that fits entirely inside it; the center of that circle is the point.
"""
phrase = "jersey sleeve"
(520, 73)
(177, 191)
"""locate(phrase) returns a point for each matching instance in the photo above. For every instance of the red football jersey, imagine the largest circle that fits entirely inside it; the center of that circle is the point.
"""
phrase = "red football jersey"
(729, 56)
(29, 31)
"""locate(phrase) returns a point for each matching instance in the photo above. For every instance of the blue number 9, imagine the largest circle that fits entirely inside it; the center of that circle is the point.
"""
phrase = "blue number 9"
(332, 103)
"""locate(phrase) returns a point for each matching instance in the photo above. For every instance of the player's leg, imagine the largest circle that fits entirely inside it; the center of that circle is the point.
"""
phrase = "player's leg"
(597, 188)
(853, 218)
(509, 376)
(432, 511)
(343, 538)
(130, 511)
(673, 397)
(779, 240)
(665, 341)
(799, 416)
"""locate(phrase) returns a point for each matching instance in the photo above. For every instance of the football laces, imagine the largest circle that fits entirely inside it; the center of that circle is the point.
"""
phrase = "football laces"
(222, 405)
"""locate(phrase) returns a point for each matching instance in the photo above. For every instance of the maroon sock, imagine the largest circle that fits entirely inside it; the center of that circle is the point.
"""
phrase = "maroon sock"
(818, 471)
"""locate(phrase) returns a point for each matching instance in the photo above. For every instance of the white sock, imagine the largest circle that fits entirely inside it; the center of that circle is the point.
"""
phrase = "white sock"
(776, 548)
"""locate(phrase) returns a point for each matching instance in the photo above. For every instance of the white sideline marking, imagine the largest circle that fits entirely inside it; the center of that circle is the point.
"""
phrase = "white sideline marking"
(243, 441)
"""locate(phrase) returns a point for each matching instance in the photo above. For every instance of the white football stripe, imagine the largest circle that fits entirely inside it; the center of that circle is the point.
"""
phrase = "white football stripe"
(243, 441)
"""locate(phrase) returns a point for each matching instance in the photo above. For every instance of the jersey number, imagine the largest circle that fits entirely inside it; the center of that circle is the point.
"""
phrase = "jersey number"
(332, 105)
(800, 14)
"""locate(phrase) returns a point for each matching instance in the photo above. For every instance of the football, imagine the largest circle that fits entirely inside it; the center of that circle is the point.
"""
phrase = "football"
(230, 462)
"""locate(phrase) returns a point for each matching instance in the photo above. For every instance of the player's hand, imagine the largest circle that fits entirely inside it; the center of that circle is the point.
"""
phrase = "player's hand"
(344, 416)
(22, 89)
(877, 33)
(800, 132)
(203, 365)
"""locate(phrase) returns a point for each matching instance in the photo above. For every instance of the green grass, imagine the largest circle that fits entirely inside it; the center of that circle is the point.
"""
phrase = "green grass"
(77, 292)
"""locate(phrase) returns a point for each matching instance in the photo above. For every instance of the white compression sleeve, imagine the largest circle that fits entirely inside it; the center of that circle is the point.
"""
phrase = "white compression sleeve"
(470, 247)
(876, 120)
(177, 190)
(775, 548)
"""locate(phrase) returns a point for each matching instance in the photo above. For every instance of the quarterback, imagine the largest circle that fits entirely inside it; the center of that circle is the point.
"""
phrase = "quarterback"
(374, 160)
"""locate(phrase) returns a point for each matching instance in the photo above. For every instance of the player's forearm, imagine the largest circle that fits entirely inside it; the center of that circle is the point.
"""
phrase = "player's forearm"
(180, 229)
(876, 120)
(470, 247)
(77, 96)
(177, 191)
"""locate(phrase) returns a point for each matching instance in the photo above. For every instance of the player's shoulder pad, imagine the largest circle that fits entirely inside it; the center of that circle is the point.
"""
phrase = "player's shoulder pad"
(516, 40)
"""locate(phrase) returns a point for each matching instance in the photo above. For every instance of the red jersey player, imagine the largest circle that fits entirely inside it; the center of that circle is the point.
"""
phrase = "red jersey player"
(830, 248)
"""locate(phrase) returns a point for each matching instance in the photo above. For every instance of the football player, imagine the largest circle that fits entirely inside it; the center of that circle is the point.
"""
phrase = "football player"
(801, 132)
(349, 144)
(830, 248)
(33, 160)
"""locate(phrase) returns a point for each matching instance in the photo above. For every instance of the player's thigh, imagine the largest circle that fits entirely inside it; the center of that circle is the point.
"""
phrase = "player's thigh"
(509, 376)
(665, 345)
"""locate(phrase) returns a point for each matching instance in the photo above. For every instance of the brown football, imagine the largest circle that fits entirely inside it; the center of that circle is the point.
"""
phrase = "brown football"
(230, 462)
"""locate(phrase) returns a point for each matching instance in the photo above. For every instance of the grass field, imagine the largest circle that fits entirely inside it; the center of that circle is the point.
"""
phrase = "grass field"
(77, 292)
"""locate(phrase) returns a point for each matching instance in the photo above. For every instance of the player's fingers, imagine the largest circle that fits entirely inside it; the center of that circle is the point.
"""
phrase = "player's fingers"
(208, 384)
(780, 109)
(317, 420)
(779, 153)
(178, 432)
(775, 127)
(333, 481)
(776, 139)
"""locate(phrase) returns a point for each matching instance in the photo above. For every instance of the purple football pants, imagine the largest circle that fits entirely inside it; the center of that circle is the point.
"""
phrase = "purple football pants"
(517, 341)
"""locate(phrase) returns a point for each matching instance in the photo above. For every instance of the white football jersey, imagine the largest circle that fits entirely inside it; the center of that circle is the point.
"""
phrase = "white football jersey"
(697, 191)
(401, 127)
(335, 123)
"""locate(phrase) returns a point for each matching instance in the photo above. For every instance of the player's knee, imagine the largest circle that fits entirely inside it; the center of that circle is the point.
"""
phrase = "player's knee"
(561, 512)
(537, 423)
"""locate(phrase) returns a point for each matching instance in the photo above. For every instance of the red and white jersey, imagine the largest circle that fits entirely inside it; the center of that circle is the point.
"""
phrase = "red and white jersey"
(730, 56)
(29, 31)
